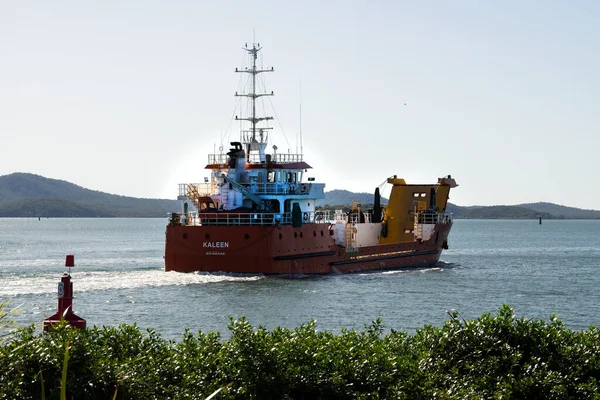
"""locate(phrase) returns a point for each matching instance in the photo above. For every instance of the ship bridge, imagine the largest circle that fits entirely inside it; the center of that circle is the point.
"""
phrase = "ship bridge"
(249, 176)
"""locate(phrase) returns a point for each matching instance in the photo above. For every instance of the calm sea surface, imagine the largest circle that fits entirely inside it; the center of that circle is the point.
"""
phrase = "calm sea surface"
(553, 268)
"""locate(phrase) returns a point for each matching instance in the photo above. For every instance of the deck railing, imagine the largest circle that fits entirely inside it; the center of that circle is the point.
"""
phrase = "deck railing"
(433, 218)
(278, 158)
(203, 189)
(258, 218)
(285, 158)
(220, 158)
(254, 218)
(206, 189)
(280, 188)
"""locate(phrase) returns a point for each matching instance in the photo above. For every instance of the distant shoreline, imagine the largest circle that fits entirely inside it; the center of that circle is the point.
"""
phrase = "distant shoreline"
(24, 195)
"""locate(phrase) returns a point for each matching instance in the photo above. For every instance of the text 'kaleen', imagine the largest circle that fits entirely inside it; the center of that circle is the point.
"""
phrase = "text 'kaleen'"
(215, 244)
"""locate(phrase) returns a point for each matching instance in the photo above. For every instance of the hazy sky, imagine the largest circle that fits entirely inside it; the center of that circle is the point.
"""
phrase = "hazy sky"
(129, 97)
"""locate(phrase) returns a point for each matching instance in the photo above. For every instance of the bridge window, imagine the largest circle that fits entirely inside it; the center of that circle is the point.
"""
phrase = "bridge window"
(291, 177)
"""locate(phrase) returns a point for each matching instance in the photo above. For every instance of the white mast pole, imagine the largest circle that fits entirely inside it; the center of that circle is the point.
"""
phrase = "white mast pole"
(301, 148)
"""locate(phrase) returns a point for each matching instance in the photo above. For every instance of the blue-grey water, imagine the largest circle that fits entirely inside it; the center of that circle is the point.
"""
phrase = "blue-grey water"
(553, 268)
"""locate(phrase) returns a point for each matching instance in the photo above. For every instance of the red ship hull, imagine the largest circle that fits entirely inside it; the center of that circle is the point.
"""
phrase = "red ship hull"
(309, 249)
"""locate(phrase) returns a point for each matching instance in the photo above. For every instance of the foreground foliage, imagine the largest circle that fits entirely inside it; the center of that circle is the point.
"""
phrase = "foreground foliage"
(497, 356)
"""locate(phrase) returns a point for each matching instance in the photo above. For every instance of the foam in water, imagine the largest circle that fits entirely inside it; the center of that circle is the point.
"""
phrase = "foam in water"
(106, 280)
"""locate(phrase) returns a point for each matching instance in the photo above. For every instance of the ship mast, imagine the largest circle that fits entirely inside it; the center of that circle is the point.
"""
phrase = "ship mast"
(253, 95)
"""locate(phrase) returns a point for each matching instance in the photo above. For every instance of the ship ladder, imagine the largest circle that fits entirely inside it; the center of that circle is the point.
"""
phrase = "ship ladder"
(193, 195)
(351, 240)
(418, 227)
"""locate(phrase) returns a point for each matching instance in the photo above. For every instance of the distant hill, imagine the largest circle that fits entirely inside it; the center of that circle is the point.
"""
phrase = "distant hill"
(562, 211)
(496, 212)
(519, 211)
(344, 197)
(51, 207)
(29, 195)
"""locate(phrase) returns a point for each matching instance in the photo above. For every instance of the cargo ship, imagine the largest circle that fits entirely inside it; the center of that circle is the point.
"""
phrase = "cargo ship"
(257, 213)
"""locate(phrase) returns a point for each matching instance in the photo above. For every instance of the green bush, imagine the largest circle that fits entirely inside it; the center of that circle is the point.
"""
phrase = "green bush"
(505, 357)
(497, 356)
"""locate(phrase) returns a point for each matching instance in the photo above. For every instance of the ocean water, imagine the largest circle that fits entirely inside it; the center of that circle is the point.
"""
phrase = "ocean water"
(540, 270)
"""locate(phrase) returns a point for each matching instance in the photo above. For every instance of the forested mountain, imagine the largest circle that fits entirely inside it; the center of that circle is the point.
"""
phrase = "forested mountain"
(496, 212)
(51, 207)
(344, 197)
(338, 198)
(25, 195)
(29, 195)
(562, 211)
